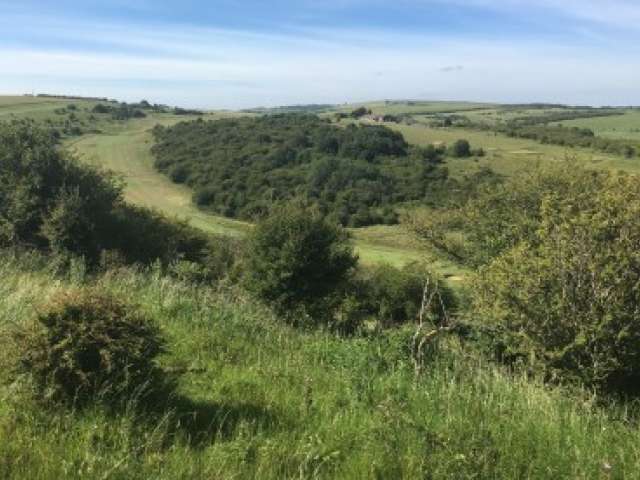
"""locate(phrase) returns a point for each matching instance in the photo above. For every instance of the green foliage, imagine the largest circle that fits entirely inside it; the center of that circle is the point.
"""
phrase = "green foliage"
(566, 295)
(460, 149)
(297, 260)
(47, 199)
(89, 347)
(395, 295)
(50, 201)
(495, 215)
(120, 111)
(570, 137)
(239, 167)
(360, 112)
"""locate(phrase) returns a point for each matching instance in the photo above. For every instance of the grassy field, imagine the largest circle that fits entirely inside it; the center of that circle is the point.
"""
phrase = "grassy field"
(508, 155)
(260, 400)
(626, 126)
(39, 108)
(126, 150)
(414, 107)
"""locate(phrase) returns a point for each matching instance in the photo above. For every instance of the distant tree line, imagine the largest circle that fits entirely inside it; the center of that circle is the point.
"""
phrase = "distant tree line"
(544, 129)
(565, 115)
(570, 137)
(74, 97)
(121, 111)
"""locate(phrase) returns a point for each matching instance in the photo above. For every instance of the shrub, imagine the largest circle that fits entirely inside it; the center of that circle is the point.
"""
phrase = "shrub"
(566, 301)
(298, 260)
(50, 201)
(87, 346)
(394, 295)
(47, 199)
(495, 216)
(460, 149)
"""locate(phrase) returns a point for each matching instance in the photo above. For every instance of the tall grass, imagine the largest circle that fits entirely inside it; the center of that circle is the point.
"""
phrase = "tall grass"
(258, 399)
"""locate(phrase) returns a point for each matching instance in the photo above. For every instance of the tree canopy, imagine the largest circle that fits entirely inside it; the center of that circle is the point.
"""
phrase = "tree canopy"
(239, 167)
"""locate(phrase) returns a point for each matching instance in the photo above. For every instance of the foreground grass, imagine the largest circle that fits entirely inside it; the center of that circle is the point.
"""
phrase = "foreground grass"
(261, 400)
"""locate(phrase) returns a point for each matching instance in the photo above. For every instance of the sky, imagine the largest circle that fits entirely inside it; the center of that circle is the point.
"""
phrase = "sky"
(249, 53)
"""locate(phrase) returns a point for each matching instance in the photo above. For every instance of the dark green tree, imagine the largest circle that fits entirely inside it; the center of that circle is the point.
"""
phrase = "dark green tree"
(297, 260)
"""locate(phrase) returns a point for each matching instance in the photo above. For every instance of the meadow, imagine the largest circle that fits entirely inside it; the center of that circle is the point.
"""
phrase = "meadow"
(415, 107)
(259, 399)
(625, 126)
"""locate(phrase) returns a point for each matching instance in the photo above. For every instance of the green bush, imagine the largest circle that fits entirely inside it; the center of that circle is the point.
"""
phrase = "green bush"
(394, 295)
(497, 215)
(51, 202)
(297, 260)
(87, 346)
(566, 300)
(460, 149)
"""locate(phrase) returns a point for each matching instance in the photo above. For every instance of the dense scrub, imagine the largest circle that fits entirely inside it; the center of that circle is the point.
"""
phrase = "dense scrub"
(566, 298)
(557, 286)
(565, 114)
(51, 202)
(259, 399)
(396, 296)
(121, 111)
(492, 215)
(239, 167)
(87, 347)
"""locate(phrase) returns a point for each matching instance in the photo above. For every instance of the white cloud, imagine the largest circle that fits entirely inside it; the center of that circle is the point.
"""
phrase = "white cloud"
(233, 68)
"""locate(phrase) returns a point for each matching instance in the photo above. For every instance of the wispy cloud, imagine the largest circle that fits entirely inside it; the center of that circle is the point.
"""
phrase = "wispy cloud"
(238, 67)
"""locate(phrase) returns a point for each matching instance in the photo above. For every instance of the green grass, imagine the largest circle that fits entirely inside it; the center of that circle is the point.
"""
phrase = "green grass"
(127, 151)
(262, 400)
(39, 108)
(508, 155)
(414, 107)
(626, 126)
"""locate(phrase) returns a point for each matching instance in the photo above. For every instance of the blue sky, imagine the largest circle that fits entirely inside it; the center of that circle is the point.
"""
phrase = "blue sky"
(233, 53)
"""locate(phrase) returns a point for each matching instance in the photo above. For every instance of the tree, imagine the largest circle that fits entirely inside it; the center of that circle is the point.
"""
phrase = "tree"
(360, 112)
(297, 260)
(460, 149)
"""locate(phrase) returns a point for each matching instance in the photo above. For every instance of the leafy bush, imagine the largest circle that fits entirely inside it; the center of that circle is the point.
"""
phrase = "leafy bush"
(296, 260)
(566, 299)
(394, 295)
(87, 346)
(48, 200)
(51, 202)
(494, 216)
(460, 149)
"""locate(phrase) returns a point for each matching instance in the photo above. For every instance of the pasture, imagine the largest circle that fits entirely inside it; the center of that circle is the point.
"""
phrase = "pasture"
(626, 126)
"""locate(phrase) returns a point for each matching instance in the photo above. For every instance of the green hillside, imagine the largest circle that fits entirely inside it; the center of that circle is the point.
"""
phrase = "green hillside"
(134, 345)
